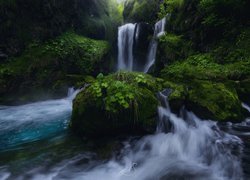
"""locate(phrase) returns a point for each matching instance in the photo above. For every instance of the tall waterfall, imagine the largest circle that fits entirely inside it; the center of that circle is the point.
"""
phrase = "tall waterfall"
(126, 37)
(159, 30)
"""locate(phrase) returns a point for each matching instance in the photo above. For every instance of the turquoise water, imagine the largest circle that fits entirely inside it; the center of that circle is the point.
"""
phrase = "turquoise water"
(32, 122)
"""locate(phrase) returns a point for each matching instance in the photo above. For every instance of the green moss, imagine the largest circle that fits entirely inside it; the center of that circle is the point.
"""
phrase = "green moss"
(46, 67)
(123, 102)
(221, 100)
(209, 100)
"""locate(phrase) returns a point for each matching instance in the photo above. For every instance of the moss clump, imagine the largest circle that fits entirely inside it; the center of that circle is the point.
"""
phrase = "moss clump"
(168, 6)
(51, 66)
(115, 104)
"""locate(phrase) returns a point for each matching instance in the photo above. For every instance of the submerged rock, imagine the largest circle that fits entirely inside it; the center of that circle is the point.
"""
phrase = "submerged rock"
(120, 103)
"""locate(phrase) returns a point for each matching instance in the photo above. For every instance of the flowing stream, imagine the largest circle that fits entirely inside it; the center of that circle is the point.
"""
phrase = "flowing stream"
(35, 145)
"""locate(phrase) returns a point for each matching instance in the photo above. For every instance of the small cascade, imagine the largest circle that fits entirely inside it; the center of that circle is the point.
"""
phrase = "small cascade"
(126, 35)
(183, 147)
(159, 30)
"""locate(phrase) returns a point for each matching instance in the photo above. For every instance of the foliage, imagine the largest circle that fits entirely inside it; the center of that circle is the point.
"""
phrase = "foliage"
(121, 91)
(169, 6)
(203, 66)
(52, 65)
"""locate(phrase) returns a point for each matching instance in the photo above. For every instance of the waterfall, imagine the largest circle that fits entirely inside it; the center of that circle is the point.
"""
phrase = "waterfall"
(158, 31)
(126, 37)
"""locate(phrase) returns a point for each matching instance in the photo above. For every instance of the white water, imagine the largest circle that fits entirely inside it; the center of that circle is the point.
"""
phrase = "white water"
(244, 105)
(182, 148)
(159, 30)
(126, 37)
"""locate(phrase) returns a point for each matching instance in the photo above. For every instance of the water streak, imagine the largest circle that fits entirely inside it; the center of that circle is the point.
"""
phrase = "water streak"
(244, 105)
(159, 30)
(126, 35)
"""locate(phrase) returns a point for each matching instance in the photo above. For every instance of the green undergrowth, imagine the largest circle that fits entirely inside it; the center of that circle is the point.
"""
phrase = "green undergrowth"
(52, 64)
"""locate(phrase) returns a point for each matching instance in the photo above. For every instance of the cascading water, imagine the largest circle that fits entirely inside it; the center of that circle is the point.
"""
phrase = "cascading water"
(126, 35)
(182, 148)
(159, 30)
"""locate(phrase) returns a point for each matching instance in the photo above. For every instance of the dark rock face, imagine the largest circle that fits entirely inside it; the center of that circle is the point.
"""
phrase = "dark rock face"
(143, 34)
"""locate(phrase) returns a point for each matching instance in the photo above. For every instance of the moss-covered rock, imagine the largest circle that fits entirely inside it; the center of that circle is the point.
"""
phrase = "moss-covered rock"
(51, 67)
(119, 103)
(209, 100)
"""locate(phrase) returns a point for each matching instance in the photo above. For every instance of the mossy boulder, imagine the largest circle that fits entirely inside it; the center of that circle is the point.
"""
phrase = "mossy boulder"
(209, 100)
(49, 68)
(207, 87)
(120, 103)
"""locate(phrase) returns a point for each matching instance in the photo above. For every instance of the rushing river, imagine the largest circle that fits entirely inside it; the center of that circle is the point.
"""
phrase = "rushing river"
(35, 144)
